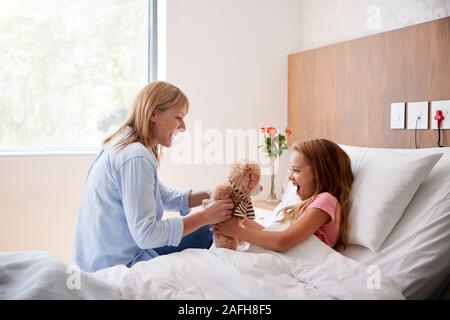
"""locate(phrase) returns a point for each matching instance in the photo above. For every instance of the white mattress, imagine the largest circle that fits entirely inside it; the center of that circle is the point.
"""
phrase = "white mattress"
(416, 254)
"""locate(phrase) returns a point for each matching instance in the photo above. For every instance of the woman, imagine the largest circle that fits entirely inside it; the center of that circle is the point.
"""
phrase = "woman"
(119, 219)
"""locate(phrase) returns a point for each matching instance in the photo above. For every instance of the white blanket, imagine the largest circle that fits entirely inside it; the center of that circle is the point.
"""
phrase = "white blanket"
(311, 270)
(34, 275)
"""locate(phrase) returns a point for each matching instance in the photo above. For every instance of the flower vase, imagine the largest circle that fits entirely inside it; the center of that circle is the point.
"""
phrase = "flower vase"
(272, 195)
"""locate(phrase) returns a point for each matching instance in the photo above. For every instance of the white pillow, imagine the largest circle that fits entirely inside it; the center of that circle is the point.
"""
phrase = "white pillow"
(385, 182)
(290, 198)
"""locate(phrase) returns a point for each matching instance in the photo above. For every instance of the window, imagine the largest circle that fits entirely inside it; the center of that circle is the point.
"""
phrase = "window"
(70, 70)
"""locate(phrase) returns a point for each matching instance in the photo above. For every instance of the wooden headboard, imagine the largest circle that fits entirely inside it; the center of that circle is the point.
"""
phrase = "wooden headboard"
(344, 92)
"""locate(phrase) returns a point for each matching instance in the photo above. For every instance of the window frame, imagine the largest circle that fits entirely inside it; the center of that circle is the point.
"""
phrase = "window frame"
(152, 69)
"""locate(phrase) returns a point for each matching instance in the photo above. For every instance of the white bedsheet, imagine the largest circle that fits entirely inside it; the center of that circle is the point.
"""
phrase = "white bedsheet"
(311, 270)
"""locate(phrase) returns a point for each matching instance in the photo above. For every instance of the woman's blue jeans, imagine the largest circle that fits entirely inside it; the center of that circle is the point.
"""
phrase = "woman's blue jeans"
(201, 239)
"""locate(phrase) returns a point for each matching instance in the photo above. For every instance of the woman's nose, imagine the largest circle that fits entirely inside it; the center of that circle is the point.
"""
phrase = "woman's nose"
(182, 126)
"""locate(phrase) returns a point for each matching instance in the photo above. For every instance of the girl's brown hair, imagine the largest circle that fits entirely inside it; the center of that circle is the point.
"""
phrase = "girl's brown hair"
(333, 173)
(156, 96)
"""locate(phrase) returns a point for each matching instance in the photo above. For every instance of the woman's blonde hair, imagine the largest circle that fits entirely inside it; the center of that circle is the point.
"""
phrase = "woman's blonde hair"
(156, 96)
(333, 173)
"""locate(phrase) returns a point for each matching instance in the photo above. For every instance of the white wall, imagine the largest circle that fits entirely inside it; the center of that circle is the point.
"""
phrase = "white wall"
(39, 198)
(325, 22)
(230, 57)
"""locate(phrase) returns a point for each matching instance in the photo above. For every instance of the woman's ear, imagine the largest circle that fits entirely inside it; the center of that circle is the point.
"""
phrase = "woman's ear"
(153, 117)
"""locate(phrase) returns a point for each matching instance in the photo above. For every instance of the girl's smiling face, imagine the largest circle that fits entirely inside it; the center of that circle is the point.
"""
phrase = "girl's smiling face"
(302, 175)
(165, 125)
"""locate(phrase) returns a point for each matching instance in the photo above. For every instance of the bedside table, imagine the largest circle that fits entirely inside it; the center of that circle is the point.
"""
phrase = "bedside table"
(263, 210)
(263, 204)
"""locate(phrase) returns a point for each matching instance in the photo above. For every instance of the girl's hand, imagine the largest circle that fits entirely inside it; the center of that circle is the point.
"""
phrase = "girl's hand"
(251, 224)
(229, 228)
(218, 211)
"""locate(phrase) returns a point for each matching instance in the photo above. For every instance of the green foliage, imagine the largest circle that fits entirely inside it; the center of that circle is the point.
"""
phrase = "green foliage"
(275, 143)
(69, 69)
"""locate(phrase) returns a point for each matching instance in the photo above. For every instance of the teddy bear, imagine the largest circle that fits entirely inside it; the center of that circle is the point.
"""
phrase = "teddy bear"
(243, 182)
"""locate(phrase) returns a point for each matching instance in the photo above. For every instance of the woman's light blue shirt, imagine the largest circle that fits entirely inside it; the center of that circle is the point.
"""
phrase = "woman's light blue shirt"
(119, 219)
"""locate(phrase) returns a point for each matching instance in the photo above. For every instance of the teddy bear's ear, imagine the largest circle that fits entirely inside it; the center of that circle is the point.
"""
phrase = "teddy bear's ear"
(248, 166)
(234, 167)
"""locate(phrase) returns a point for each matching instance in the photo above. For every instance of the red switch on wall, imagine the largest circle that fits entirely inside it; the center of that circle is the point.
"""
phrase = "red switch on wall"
(439, 117)
(440, 109)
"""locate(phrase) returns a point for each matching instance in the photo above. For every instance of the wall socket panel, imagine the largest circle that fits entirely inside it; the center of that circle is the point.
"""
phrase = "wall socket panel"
(398, 115)
(415, 110)
(444, 106)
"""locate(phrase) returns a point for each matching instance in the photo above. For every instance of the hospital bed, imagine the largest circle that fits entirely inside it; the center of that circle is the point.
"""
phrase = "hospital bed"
(412, 262)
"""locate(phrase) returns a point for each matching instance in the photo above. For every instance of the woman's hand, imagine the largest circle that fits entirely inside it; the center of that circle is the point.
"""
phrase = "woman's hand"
(196, 198)
(218, 211)
(230, 228)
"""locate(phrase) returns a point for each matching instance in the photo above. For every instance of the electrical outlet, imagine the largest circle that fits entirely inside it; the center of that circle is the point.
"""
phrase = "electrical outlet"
(444, 106)
(398, 115)
(417, 110)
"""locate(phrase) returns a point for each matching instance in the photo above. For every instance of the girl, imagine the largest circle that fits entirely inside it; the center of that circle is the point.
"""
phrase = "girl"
(321, 172)
(119, 219)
